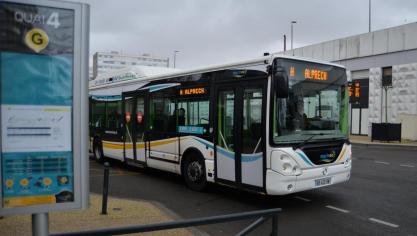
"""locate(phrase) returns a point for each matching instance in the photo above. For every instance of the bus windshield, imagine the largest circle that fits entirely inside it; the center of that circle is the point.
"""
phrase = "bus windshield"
(316, 108)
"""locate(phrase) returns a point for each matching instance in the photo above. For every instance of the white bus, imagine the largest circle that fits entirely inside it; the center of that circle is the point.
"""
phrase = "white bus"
(274, 125)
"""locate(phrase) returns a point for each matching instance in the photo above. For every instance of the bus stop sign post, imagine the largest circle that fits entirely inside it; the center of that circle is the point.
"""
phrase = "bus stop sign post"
(44, 108)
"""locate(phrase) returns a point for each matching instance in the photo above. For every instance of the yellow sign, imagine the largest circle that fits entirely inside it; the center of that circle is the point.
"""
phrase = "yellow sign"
(292, 71)
(192, 91)
(350, 90)
(357, 90)
(315, 74)
(36, 39)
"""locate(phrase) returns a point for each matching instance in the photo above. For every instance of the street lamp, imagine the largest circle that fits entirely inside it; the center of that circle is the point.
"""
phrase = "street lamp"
(292, 35)
(369, 22)
(175, 56)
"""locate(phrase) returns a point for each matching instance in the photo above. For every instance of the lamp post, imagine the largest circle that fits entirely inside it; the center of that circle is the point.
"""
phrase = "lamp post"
(369, 22)
(292, 35)
(175, 56)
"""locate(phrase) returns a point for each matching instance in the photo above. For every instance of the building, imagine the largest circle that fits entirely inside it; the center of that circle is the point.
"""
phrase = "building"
(90, 73)
(129, 73)
(382, 66)
(107, 61)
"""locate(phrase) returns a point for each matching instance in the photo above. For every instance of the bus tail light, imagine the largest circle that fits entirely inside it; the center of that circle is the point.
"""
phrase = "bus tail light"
(284, 164)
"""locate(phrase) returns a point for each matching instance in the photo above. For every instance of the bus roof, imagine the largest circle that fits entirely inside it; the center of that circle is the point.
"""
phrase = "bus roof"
(138, 80)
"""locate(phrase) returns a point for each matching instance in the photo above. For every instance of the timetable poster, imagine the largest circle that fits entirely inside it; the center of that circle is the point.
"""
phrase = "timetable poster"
(36, 84)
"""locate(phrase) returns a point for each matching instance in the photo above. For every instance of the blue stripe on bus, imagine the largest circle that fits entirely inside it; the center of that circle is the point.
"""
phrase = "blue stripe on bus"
(157, 87)
(231, 155)
(304, 157)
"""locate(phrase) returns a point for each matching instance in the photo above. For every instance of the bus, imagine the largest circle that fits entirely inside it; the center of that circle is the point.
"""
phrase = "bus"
(274, 125)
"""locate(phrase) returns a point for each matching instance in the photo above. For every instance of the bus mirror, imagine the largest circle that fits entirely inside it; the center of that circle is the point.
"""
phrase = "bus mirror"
(281, 82)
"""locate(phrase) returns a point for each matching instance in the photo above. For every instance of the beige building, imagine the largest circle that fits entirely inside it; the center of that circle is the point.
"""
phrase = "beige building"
(107, 61)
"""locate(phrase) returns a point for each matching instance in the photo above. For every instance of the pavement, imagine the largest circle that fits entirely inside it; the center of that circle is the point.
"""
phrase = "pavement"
(121, 212)
(365, 140)
(379, 199)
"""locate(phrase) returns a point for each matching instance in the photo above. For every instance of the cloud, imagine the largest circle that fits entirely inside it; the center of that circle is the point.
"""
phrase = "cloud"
(216, 31)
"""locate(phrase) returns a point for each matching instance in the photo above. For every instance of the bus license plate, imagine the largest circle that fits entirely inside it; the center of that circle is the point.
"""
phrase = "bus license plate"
(323, 181)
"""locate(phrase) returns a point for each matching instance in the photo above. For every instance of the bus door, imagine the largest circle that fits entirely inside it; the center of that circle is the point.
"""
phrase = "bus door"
(134, 135)
(239, 136)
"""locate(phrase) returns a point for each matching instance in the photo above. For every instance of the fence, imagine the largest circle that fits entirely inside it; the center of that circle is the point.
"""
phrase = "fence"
(261, 217)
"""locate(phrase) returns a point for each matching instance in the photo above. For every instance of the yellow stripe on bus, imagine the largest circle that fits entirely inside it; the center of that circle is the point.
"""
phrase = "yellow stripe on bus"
(139, 145)
(56, 109)
(342, 153)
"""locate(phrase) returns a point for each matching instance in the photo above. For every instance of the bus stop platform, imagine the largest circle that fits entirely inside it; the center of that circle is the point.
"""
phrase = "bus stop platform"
(121, 212)
(366, 140)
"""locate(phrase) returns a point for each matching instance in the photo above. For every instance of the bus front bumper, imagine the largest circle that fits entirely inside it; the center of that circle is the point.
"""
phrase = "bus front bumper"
(278, 184)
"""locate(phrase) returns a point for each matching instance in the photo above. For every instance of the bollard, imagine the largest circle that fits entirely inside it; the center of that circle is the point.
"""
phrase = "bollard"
(274, 225)
(105, 189)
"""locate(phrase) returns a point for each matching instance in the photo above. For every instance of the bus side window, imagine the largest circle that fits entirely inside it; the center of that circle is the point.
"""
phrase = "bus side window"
(98, 114)
(162, 112)
(113, 114)
(194, 112)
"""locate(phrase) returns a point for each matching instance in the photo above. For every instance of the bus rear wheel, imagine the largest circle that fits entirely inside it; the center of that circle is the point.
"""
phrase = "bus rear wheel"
(194, 173)
(98, 151)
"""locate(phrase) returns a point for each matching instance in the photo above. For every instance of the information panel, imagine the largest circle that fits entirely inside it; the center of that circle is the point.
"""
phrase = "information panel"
(37, 88)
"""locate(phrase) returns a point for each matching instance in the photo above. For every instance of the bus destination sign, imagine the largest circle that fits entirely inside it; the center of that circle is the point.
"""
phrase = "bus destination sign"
(192, 91)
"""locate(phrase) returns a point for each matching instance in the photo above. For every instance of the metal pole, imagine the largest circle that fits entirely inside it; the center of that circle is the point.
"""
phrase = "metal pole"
(274, 231)
(292, 35)
(285, 43)
(386, 104)
(369, 15)
(105, 189)
(175, 56)
(40, 224)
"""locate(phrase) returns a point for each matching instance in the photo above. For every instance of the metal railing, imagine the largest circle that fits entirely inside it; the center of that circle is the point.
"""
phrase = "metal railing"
(261, 217)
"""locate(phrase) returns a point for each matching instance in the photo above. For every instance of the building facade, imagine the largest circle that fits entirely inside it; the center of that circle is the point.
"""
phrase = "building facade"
(382, 68)
(108, 61)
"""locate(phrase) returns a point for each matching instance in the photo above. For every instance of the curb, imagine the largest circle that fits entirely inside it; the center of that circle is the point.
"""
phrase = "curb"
(387, 145)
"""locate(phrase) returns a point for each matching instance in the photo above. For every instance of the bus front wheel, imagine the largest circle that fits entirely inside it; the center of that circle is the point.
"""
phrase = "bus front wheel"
(194, 172)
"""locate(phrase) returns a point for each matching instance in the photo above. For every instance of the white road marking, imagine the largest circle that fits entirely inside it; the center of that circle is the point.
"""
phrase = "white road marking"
(337, 209)
(384, 222)
(302, 199)
(382, 162)
(405, 165)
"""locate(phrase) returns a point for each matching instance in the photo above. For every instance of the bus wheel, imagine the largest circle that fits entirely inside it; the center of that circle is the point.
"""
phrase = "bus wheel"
(194, 173)
(98, 151)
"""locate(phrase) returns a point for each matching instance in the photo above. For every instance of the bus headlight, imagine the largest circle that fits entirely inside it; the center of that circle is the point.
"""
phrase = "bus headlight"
(284, 164)
(348, 162)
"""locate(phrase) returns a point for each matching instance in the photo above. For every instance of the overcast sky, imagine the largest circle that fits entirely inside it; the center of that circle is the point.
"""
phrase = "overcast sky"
(216, 31)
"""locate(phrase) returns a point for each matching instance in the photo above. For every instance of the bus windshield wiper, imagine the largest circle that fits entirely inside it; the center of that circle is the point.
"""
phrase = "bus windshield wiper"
(300, 145)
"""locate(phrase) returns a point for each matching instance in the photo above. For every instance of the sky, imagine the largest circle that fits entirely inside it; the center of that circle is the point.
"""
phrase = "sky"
(207, 32)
